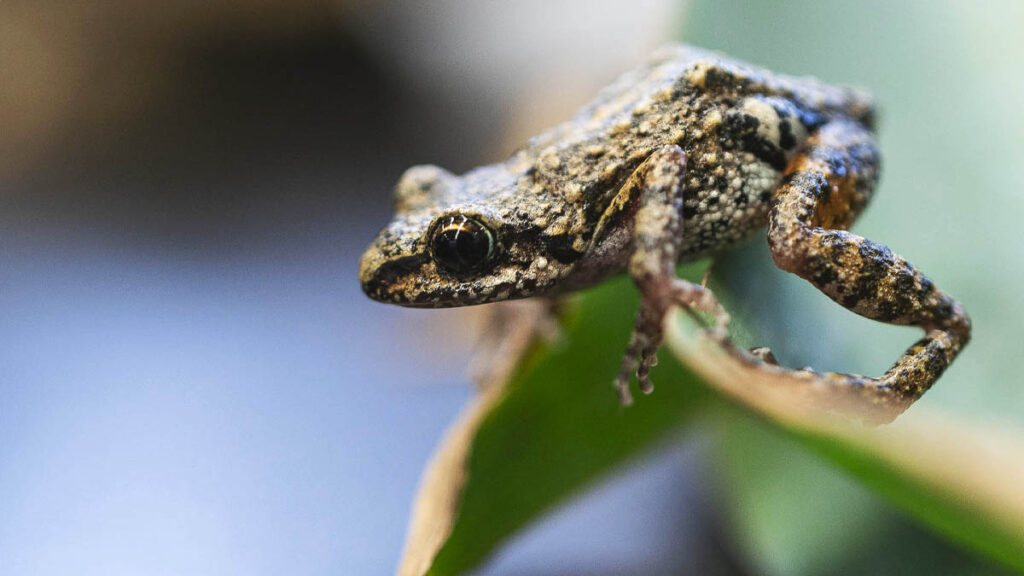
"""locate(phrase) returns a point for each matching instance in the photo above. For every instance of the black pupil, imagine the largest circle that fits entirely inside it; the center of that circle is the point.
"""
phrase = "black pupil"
(461, 245)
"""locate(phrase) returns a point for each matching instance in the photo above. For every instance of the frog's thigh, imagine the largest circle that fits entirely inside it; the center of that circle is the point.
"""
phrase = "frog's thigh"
(822, 191)
(647, 210)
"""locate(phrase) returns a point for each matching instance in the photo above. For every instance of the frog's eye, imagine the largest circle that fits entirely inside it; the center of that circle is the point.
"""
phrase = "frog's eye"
(461, 245)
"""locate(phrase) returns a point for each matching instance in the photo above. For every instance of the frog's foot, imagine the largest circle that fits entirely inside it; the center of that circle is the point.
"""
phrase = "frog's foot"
(509, 329)
(645, 219)
(658, 298)
(641, 353)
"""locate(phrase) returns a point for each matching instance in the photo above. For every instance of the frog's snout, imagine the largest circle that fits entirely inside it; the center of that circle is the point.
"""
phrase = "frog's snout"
(366, 272)
(370, 278)
(388, 279)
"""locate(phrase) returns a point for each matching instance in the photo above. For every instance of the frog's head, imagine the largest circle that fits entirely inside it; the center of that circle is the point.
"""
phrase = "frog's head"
(457, 241)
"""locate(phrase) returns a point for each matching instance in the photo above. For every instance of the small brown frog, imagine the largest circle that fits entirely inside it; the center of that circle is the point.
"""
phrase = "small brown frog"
(681, 158)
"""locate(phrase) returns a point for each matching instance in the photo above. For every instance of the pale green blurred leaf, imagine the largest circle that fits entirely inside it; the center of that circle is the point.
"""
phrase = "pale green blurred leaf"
(795, 514)
(962, 481)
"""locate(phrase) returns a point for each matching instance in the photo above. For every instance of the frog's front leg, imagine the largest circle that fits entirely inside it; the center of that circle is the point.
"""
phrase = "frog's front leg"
(824, 188)
(646, 216)
(510, 328)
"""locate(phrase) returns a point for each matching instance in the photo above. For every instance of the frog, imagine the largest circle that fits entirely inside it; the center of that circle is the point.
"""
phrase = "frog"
(680, 159)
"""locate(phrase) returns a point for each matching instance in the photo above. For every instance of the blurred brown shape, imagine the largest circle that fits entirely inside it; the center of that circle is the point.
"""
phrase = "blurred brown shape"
(72, 68)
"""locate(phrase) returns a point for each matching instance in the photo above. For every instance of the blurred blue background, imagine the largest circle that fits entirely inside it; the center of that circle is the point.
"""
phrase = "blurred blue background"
(191, 381)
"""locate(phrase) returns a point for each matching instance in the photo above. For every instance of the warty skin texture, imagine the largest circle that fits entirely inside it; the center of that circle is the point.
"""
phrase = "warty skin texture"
(683, 157)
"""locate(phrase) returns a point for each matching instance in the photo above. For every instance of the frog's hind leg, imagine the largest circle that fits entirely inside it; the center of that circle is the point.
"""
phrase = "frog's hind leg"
(824, 188)
(647, 212)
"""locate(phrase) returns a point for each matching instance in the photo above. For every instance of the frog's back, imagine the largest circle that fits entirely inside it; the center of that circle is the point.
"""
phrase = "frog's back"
(695, 99)
(678, 73)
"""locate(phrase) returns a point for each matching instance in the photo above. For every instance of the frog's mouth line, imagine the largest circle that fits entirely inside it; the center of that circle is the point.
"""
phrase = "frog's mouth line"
(400, 281)
(404, 292)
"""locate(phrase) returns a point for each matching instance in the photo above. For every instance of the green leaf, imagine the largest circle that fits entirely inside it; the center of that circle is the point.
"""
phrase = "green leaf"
(556, 426)
(552, 430)
(788, 511)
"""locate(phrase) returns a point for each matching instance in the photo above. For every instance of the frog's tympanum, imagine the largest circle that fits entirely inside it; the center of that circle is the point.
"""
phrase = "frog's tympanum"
(682, 158)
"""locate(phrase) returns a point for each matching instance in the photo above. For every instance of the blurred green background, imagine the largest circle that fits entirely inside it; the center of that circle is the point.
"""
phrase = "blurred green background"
(191, 382)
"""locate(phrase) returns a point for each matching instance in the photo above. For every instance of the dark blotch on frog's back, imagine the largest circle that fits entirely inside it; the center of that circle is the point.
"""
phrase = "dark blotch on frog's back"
(741, 129)
(560, 247)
